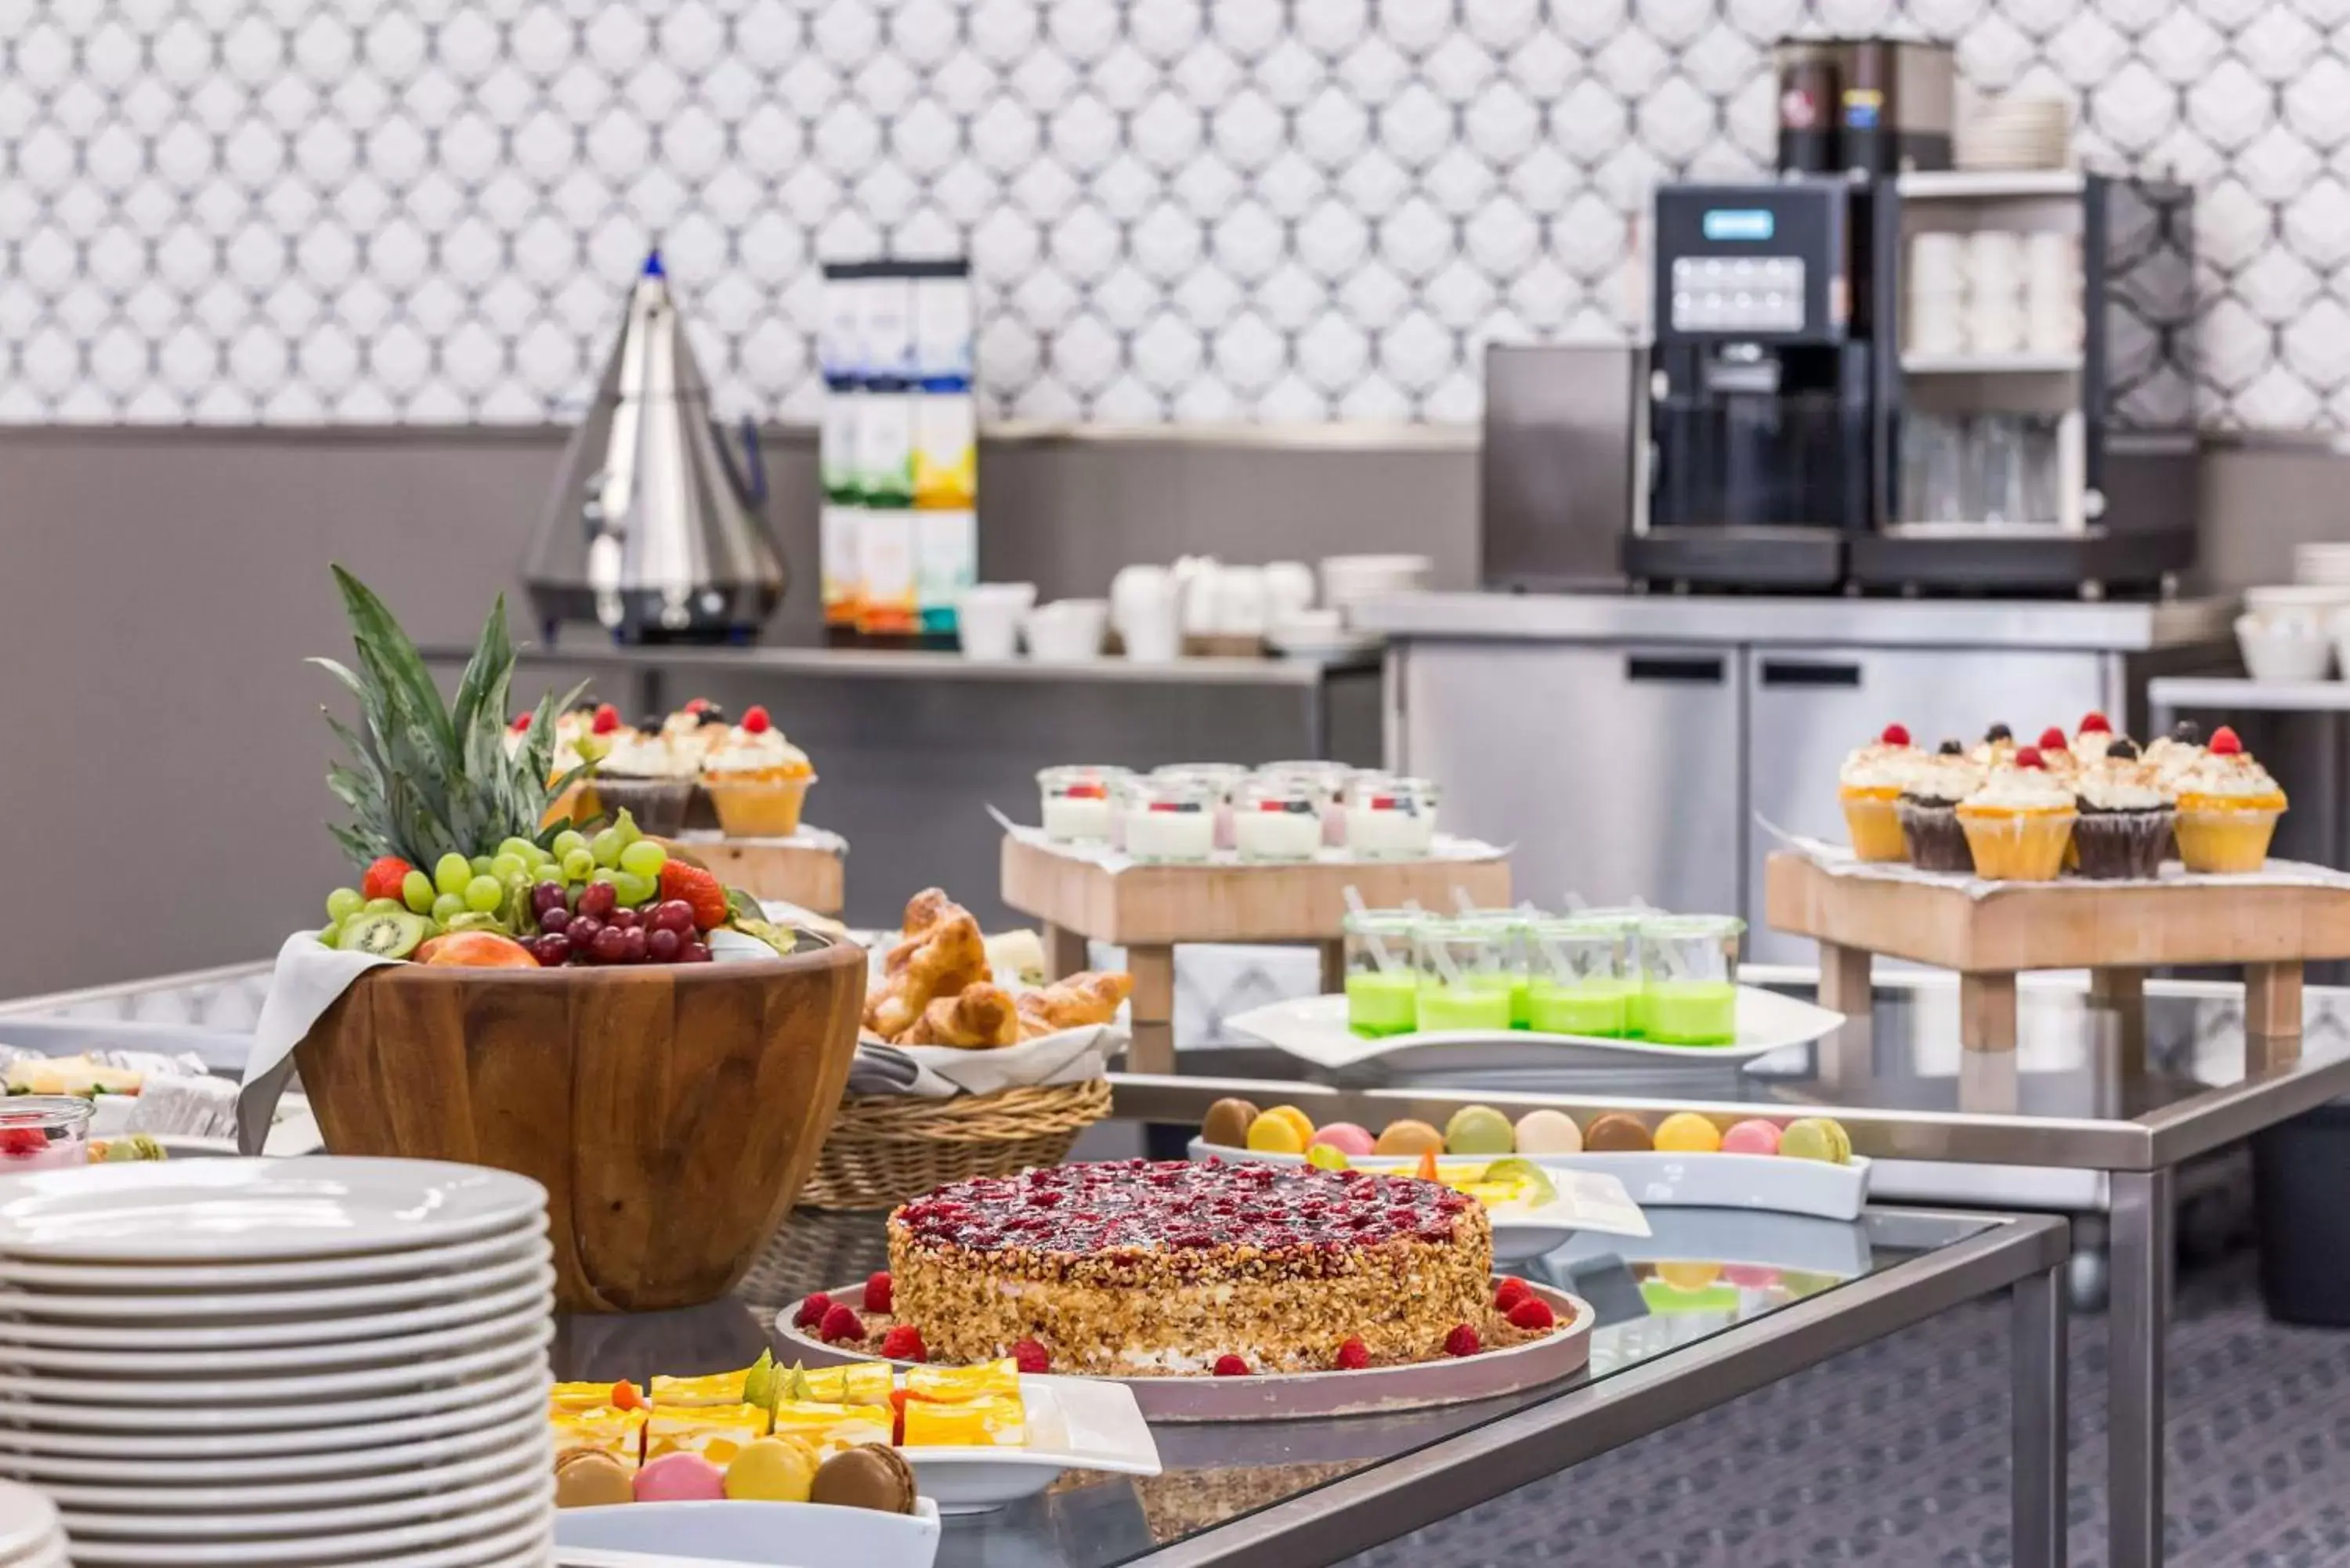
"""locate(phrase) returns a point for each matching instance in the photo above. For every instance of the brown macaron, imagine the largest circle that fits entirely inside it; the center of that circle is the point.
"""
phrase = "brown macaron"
(1227, 1124)
(871, 1475)
(1617, 1132)
(590, 1478)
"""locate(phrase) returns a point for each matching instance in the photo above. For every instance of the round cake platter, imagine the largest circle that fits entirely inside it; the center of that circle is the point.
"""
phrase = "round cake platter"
(1309, 1395)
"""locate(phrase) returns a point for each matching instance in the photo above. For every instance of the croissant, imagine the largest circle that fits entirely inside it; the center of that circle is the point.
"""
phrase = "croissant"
(924, 910)
(982, 1018)
(943, 962)
(1090, 997)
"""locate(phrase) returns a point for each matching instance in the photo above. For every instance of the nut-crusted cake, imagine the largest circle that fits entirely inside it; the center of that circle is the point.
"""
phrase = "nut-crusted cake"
(1135, 1268)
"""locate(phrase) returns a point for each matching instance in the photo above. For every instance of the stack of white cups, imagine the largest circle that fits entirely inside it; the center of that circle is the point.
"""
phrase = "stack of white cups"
(2051, 292)
(1995, 323)
(1938, 294)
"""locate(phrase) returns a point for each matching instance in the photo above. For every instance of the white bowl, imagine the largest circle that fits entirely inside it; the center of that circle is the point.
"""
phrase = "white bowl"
(2283, 649)
(1066, 630)
(1348, 579)
(2314, 600)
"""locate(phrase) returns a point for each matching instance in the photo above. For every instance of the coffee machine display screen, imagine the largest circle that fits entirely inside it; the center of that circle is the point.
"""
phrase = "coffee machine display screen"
(1743, 294)
(1736, 224)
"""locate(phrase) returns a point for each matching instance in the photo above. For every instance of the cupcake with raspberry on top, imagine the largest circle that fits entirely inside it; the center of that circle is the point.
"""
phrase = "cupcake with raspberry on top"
(757, 779)
(2091, 737)
(2020, 822)
(2227, 809)
(2057, 752)
(1868, 786)
(691, 731)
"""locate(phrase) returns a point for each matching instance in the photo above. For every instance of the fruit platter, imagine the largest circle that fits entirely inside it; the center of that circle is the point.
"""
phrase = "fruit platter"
(1213, 1292)
(972, 1438)
(1798, 1166)
(578, 1002)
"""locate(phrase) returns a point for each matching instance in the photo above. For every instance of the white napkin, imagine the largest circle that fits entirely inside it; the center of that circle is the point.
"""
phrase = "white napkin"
(1065, 1056)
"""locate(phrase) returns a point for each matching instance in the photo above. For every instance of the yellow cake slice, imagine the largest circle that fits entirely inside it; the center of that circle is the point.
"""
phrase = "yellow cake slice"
(951, 1385)
(716, 1432)
(606, 1429)
(988, 1422)
(830, 1426)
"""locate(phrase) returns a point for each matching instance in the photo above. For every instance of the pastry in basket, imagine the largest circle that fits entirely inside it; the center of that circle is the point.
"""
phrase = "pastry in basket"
(981, 1017)
(1868, 786)
(945, 959)
(2227, 809)
(1092, 997)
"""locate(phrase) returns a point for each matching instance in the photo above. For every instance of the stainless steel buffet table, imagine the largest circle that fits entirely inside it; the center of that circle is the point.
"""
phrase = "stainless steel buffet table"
(2125, 1097)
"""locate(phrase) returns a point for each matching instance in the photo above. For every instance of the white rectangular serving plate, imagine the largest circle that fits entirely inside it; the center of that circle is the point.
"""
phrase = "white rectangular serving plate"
(756, 1534)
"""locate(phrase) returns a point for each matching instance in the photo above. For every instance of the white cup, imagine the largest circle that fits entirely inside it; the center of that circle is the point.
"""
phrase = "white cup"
(987, 618)
(1145, 606)
(1288, 591)
(1066, 632)
(1995, 326)
(1938, 262)
(1240, 602)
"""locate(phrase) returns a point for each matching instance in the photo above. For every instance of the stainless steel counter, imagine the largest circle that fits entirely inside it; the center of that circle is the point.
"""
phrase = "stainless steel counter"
(1871, 623)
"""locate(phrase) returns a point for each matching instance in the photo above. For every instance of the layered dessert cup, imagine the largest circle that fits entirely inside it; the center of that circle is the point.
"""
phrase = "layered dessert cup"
(1390, 818)
(1277, 819)
(42, 1132)
(1076, 802)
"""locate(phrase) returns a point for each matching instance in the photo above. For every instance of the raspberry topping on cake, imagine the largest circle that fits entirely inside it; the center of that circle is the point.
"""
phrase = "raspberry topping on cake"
(1231, 1366)
(841, 1323)
(1032, 1356)
(1353, 1355)
(903, 1343)
(2096, 724)
(2052, 739)
(2224, 742)
(2029, 757)
(1895, 735)
(1532, 1313)
(1462, 1341)
(812, 1311)
(1509, 1294)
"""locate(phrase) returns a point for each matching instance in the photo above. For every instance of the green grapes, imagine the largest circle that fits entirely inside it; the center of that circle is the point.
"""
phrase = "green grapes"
(416, 891)
(451, 873)
(606, 847)
(484, 894)
(343, 903)
(644, 858)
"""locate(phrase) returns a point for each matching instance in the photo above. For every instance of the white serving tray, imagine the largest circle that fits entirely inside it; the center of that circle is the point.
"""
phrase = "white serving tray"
(766, 1535)
(1314, 1029)
(1756, 1181)
(1073, 1424)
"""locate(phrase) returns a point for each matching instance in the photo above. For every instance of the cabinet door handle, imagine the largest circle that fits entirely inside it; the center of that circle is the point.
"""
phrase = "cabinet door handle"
(1695, 671)
(1777, 672)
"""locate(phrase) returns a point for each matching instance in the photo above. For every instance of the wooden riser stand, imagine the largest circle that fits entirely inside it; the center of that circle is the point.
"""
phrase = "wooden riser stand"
(809, 873)
(2115, 932)
(1151, 909)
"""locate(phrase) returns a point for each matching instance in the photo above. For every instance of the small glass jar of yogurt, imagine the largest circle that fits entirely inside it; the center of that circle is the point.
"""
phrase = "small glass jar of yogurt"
(1277, 819)
(1390, 818)
(1382, 987)
(1170, 820)
(1223, 781)
(1329, 781)
(1583, 976)
(42, 1132)
(1076, 802)
(1465, 979)
(1690, 971)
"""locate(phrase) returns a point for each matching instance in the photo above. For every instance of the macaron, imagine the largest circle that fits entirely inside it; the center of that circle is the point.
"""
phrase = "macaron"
(772, 1469)
(1227, 1123)
(1298, 1120)
(871, 1475)
(1549, 1132)
(1688, 1276)
(1816, 1137)
(1749, 1276)
(1686, 1132)
(680, 1478)
(590, 1478)
(1345, 1137)
(1272, 1133)
(1752, 1136)
(1479, 1129)
(1617, 1132)
(1408, 1137)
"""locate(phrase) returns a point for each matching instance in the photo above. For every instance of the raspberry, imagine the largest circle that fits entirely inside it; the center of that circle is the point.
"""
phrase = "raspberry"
(1509, 1294)
(21, 1143)
(1895, 735)
(697, 705)
(2096, 724)
(521, 725)
(2029, 757)
(1462, 1341)
(1534, 1313)
(812, 1311)
(755, 719)
(841, 1324)
(1354, 1355)
(607, 719)
(2225, 744)
(903, 1343)
(2052, 739)
(877, 1293)
(1032, 1356)
(1231, 1366)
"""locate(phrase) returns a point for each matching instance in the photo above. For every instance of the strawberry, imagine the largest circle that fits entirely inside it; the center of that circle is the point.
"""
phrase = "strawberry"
(2096, 724)
(1509, 1294)
(607, 719)
(384, 878)
(755, 719)
(698, 887)
(903, 1343)
(1032, 1356)
(1533, 1314)
(812, 1311)
(2052, 739)
(1353, 1354)
(1231, 1366)
(841, 1323)
(2226, 744)
(22, 1143)
(1462, 1341)
(877, 1293)
(1895, 735)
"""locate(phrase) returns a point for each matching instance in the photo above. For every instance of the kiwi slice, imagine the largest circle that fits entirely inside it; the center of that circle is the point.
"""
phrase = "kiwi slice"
(385, 936)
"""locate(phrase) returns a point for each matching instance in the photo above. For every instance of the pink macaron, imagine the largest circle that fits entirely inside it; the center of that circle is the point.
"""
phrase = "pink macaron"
(680, 1478)
(1345, 1137)
(1752, 1136)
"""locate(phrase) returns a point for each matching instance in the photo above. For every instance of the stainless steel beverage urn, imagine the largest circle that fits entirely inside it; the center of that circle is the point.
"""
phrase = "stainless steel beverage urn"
(654, 531)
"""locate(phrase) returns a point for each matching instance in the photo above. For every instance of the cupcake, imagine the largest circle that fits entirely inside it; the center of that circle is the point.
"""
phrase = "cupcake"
(641, 773)
(2018, 823)
(2123, 829)
(1867, 785)
(691, 730)
(757, 779)
(2173, 754)
(2227, 809)
(1932, 788)
(2090, 740)
(1995, 750)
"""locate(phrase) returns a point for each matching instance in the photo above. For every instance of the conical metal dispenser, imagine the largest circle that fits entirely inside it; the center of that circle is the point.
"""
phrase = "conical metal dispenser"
(653, 532)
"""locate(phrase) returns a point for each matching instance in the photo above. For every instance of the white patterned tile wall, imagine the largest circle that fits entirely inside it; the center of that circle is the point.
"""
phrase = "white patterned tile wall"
(1180, 210)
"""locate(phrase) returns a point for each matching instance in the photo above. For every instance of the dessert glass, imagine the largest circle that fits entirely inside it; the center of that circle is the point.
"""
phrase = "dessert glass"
(1507, 930)
(1169, 821)
(1223, 781)
(1277, 819)
(1390, 818)
(1076, 802)
(1690, 966)
(42, 1132)
(1583, 976)
(1464, 981)
(1382, 988)
(1329, 781)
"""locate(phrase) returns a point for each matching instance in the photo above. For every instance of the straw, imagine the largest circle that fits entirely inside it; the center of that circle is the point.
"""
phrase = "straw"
(1380, 958)
(1444, 960)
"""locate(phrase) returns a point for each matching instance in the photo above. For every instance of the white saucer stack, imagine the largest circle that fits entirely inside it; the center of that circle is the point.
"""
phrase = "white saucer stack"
(30, 1535)
(249, 1362)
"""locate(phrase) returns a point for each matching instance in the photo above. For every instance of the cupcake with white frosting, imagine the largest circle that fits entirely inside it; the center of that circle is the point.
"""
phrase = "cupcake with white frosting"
(2125, 816)
(1869, 787)
(2227, 809)
(641, 773)
(1932, 785)
(2092, 736)
(757, 779)
(2018, 823)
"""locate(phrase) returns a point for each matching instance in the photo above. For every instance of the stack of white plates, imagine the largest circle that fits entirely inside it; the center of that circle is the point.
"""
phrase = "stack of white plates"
(283, 1362)
(2321, 565)
(30, 1535)
(2019, 132)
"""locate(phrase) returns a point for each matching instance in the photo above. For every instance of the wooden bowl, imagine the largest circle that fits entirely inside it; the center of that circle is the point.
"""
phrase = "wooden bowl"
(670, 1111)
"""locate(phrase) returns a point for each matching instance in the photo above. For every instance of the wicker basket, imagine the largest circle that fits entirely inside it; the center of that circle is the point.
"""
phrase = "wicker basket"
(885, 1149)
